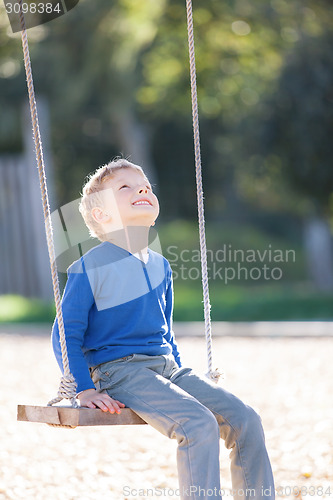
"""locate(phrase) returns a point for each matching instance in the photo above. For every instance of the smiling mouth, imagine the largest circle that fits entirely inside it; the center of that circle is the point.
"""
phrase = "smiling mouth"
(142, 202)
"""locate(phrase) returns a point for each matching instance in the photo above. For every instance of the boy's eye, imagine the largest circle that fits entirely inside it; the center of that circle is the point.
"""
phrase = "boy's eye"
(124, 186)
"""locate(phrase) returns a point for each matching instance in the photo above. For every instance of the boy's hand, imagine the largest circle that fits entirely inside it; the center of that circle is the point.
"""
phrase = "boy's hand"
(94, 399)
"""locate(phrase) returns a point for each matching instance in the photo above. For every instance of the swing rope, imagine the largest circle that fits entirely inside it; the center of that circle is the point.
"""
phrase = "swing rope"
(67, 388)
(212, 374)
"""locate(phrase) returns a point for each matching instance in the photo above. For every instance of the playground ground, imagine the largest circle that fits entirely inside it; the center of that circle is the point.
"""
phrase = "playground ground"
(288, 380)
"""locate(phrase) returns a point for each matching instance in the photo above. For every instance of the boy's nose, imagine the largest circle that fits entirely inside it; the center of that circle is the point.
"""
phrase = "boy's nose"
(142, 189)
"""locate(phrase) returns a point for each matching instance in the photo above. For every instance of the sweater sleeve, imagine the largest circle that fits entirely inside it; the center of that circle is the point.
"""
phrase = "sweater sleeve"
(169, 317)
(76, 303)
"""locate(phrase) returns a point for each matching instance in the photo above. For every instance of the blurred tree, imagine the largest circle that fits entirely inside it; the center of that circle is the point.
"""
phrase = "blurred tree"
(240, 48)
(117, 80)
(11, 86)
(301, 120)
(293, 136)
(86, 64)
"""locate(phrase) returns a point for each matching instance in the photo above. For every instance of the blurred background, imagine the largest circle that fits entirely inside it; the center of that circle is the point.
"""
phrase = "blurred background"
(112, 78)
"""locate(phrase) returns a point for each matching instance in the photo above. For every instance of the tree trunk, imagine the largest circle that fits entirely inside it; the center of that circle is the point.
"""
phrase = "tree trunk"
(41, 264)
(134, 139)
(319, 252)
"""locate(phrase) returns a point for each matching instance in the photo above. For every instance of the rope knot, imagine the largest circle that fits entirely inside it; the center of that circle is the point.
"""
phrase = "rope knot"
(67, 390)
(214, 375)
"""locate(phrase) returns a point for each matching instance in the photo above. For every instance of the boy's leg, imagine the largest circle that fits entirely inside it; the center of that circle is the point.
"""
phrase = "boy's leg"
(241, 429)
(140, 384)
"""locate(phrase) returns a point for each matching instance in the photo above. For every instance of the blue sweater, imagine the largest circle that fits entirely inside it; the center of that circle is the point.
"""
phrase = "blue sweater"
(114, 305)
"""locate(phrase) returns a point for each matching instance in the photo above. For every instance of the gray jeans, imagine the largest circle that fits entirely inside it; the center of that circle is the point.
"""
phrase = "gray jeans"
(196, 412)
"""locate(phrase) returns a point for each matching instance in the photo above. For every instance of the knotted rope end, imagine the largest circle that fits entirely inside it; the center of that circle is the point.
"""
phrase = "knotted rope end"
(215, 375)
(67, 390)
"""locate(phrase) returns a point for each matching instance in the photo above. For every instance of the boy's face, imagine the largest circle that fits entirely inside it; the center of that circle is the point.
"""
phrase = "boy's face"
(129, 199)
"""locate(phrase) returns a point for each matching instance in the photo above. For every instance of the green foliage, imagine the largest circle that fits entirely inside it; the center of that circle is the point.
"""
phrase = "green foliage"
(17, 309)
(297, 128)
(97, 64)
(235, 303)
(242, 249)
(239, 299)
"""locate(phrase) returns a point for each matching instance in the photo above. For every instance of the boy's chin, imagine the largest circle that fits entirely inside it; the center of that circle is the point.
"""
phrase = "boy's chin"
(144, 224)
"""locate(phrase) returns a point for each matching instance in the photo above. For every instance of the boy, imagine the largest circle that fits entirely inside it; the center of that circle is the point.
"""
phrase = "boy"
(117, 309)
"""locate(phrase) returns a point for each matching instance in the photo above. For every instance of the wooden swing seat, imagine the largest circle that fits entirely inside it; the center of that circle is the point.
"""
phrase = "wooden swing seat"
(68, 416)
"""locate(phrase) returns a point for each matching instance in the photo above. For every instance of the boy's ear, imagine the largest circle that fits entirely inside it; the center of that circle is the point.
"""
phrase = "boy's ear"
(99, 215)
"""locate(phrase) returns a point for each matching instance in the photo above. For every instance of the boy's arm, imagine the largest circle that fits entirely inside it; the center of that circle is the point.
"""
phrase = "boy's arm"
(76, 304)
(169, 318)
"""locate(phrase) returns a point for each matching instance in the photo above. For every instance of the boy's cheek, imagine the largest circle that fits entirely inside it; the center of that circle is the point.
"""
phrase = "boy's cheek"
(157, 206)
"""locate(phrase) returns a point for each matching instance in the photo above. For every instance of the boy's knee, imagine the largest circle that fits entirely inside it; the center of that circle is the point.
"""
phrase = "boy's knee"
(202, 426)
(253, 418)
(251, 424)
(247, 426)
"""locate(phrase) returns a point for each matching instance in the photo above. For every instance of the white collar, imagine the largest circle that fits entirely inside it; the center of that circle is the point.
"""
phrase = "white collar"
(142, 256)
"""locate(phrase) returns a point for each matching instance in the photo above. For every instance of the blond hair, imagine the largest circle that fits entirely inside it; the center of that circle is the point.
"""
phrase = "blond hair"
(91, 193)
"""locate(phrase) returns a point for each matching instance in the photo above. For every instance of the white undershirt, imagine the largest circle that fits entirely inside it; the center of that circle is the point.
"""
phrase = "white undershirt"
(142, 256)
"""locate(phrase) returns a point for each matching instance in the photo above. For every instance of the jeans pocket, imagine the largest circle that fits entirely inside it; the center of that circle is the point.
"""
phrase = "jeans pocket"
(112, 373)
(97, 375)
